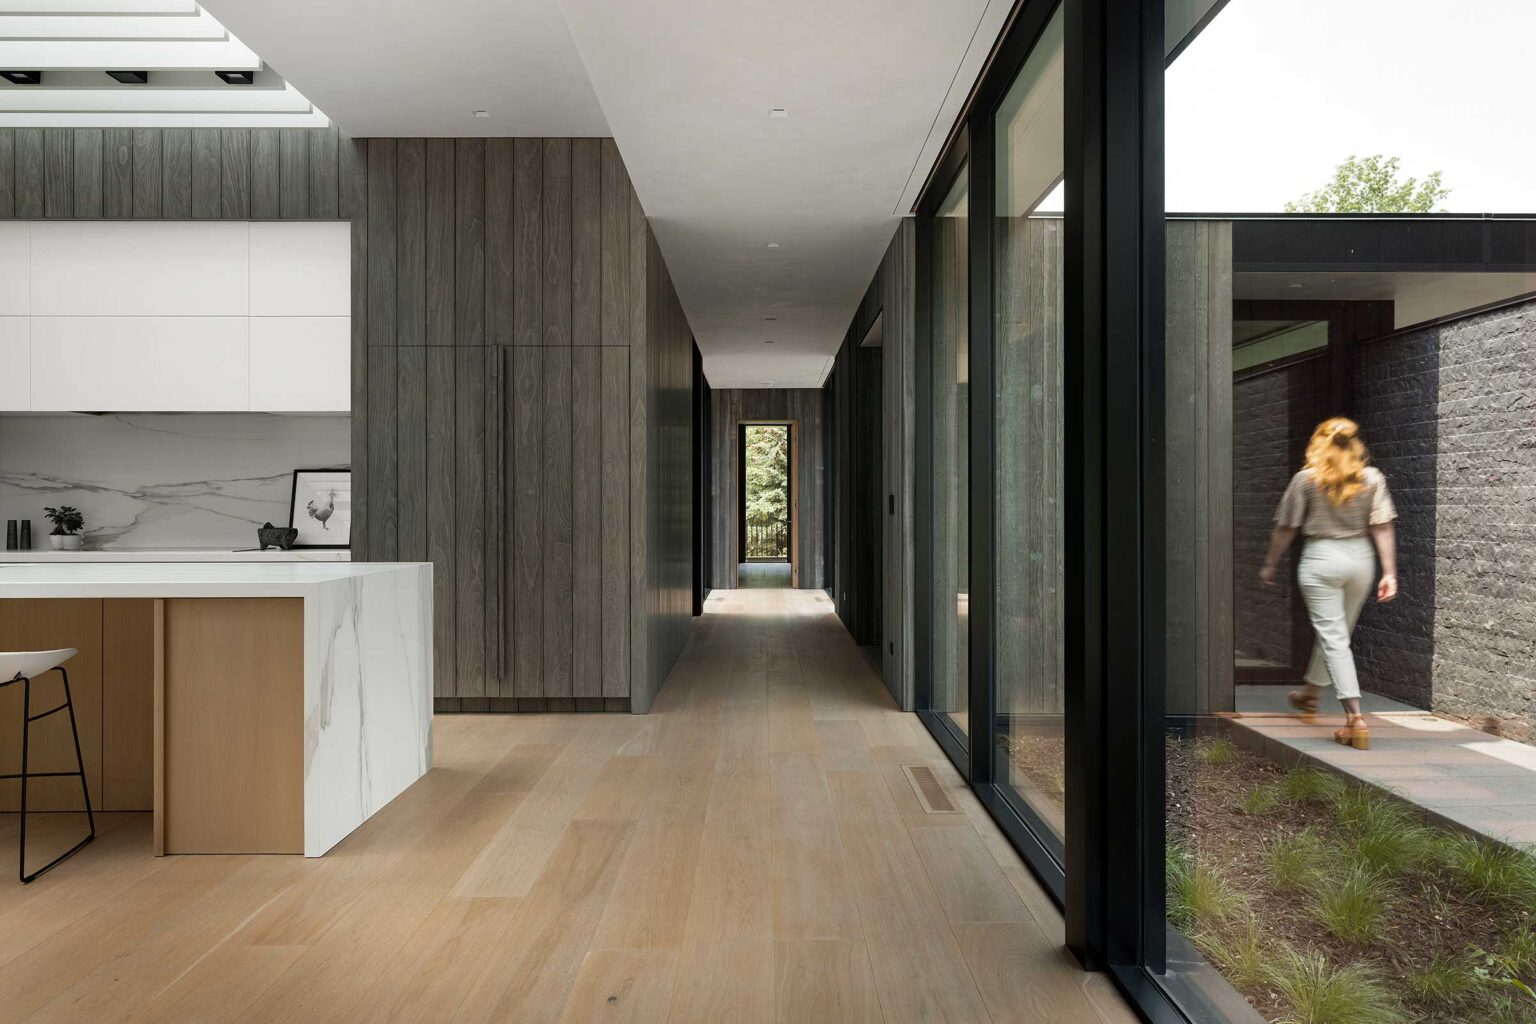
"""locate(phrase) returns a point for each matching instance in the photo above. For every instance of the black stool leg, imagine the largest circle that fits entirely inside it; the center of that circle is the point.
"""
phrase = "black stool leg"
(26, 773)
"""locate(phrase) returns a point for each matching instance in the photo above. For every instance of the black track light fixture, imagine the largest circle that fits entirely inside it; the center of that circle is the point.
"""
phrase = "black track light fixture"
(237, 77)
(23, 77)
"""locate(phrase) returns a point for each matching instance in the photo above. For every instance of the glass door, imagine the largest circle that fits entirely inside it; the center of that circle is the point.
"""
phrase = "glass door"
(949, 401)
(1027, 375)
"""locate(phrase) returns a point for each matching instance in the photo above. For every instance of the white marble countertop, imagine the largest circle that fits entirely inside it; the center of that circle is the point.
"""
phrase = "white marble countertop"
(177, 555)
(187, 579)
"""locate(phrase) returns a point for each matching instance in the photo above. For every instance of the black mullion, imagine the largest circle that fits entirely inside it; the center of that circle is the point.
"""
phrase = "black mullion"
(922, 503)
(1083, 479)
(980, 598)
(1151, 795)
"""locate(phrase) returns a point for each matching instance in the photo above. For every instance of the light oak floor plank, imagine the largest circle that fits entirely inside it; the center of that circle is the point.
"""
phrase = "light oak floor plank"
(751, 852)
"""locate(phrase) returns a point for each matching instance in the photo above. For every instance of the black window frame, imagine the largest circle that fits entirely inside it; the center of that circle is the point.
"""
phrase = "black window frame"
(1108, 875)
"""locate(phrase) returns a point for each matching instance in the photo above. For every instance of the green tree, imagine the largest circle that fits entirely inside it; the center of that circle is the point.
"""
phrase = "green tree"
(767, 488)
(1370, 184)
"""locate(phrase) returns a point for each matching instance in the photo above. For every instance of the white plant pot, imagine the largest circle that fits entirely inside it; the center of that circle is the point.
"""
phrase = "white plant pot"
(66, 541)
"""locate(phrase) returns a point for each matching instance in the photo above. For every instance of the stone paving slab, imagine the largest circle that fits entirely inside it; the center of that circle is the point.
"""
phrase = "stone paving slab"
(1458, 775)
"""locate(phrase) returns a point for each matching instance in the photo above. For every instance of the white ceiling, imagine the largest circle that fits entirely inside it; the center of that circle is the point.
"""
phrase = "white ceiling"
(872, 87)
(74, 43)
(421, 67)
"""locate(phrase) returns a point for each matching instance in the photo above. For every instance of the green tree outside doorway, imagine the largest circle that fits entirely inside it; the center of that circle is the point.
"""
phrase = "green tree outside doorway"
(767, 491)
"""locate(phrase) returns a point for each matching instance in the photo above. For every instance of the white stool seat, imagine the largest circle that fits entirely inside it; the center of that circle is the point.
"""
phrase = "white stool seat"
(32, 664)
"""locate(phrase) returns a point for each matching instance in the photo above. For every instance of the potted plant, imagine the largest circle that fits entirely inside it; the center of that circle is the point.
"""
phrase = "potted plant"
(67, 523)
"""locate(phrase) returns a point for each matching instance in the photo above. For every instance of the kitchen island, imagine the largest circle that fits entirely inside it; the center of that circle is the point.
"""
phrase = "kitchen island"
(285, 704)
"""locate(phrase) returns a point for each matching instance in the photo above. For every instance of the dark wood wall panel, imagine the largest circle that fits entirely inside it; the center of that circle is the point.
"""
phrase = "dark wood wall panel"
(616, 490)
(525, 474)
(661, 573)
(556, 521)
(873, 544)
(470, 487)
(117, 174)
(586, 521)
(170, 173)
(520, 378)
(441, 489)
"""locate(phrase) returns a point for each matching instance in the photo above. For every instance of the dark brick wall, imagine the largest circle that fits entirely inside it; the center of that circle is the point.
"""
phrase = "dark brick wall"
(1450, 415)
(1272, 416)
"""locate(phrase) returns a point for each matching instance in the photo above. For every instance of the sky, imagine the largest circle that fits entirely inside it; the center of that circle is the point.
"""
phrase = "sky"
(1275, 93)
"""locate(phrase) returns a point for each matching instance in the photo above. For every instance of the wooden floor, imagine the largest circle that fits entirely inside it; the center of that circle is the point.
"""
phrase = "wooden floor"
(751, 851)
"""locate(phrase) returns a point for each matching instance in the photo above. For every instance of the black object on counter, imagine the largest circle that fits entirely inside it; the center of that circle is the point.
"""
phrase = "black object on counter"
(26, 535)
(10, 535)
(276, 536)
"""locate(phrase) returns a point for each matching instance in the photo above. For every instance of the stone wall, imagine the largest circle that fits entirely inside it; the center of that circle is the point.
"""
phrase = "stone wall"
(1273, 414)
(1449, 414)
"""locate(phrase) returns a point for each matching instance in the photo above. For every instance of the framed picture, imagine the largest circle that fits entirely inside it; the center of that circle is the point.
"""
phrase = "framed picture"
(321, 508)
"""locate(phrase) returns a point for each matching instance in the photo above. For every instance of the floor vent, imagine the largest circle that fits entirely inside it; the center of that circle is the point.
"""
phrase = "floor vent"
(930, 791)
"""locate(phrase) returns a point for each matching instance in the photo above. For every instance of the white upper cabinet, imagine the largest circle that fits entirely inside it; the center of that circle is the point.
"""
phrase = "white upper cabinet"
(171, 316)
(301, 363)
(301, 269)
(140, 268)
(15, 267)
(134, 363)
(15, 363)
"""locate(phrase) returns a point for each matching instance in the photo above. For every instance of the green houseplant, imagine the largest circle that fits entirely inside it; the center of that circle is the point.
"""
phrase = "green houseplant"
(67, 523)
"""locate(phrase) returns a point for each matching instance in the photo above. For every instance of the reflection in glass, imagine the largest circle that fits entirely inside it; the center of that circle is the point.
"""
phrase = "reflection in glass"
(1027, 328)
(950, 380)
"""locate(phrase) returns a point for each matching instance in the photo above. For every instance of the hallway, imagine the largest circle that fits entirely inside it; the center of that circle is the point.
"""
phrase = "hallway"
(751, 851)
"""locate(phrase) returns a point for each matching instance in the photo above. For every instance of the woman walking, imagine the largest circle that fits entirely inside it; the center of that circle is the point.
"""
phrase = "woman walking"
(1340, 504)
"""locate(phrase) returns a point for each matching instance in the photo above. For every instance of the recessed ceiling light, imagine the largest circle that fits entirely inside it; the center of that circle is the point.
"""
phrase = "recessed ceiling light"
(778, 112)
(23, 77)
(237, 77)
(773, 245)
(768, 342)
(129, 77)
(770, 318)
(1296, 284)
(481, 113)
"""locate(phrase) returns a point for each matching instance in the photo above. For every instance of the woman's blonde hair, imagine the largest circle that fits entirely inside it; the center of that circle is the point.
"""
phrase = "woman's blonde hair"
(1337, 459)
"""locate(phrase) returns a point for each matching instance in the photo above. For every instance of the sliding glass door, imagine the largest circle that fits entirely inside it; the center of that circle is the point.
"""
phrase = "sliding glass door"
(991, 555)
(1027, 346)
(947, 242)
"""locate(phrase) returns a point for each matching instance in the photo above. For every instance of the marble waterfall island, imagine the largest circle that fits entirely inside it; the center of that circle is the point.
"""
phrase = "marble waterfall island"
(294, 700)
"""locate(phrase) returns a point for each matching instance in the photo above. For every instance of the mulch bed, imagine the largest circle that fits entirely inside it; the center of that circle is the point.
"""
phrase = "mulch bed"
(1426, 916)
(1418, 924)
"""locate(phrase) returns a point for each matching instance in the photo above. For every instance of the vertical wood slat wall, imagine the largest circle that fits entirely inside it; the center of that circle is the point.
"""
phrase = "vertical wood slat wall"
(891, 296)
(518, 352)
(728, 408)
(506, 372)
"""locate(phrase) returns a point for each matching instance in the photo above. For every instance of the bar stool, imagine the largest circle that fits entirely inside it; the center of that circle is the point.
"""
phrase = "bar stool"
(22, 667)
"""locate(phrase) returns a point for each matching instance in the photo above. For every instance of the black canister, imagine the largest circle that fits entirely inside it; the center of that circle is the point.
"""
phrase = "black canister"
(10, 535)
(26, 535)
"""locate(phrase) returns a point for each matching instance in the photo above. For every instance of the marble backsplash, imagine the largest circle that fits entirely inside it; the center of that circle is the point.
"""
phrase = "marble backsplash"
(162, 480)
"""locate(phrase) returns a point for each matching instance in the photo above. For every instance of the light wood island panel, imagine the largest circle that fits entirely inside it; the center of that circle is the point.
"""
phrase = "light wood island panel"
(230, 676)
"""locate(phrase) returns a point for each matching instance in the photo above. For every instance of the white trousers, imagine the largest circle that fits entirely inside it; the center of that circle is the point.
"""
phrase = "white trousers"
(1335, 577)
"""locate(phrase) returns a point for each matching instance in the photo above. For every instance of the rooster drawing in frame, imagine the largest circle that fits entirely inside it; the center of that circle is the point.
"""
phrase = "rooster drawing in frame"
(322, 513)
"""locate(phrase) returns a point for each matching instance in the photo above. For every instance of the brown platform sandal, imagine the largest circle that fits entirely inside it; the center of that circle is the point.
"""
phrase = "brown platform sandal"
(1354, 734)
(1305, 703)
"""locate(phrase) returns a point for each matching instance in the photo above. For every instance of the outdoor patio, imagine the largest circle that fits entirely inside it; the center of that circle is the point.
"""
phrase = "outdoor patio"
(1458, 775)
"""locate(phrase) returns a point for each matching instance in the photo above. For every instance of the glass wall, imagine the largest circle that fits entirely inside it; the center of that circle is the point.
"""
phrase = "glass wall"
(1133, 679)
(1027, 339)
(948, 262)
(1322, 866)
